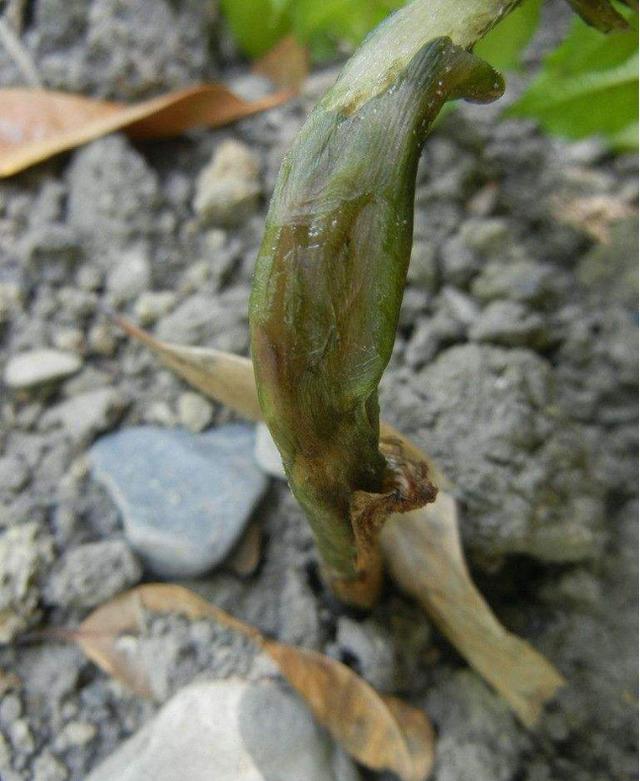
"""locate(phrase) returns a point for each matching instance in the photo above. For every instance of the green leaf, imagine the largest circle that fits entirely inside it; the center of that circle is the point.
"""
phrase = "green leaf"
(503, 46)
(256, 25)
(346, 20)
(588, 85)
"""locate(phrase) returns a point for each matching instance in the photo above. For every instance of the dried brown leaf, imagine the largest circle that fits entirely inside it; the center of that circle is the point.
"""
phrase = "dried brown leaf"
(286, 65)
(424, 555)
(100, 634)
(222, 376)
(594, 214)
(37, 124)
(379, 732)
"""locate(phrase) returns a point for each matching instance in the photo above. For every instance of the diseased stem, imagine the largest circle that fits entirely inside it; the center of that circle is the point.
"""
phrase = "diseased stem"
(331, 272)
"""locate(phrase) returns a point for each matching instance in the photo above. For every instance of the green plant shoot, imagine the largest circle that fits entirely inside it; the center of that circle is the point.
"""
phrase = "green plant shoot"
(328, 287)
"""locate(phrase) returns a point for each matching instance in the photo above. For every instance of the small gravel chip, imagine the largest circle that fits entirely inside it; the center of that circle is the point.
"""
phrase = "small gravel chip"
(185, 499)
(93, 573)
(38, 367)
(194, 411)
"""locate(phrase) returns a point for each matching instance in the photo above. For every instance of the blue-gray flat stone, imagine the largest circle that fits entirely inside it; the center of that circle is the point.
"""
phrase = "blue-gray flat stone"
(185, 498)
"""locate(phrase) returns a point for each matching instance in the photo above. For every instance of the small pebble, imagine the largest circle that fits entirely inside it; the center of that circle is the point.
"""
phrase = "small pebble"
(185, 499)
(38, 367)
(228, 188)
(194, 411)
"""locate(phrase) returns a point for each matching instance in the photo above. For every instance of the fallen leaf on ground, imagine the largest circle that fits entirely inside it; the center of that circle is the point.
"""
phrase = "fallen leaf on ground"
(37, 124)
(380, 732)
(422, 548)
(221, 376)
(593, 214)
(286, 65)
(424, 554)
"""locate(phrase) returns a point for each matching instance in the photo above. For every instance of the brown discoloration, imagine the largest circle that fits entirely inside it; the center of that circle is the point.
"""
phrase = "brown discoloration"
(407, 487)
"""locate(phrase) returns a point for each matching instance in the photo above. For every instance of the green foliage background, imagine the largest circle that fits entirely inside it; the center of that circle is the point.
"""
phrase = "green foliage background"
(588, 85)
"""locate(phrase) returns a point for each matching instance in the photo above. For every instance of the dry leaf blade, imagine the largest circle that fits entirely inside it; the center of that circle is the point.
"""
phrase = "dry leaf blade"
(369, 727)
(38, 124)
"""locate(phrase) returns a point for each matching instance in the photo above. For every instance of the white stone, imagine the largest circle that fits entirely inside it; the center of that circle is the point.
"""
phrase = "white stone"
(194, 411)
(229, 730)
(37, 367)
(153, 304)
(87, 414)
(266, 453)
(131, 276)
(228, 188)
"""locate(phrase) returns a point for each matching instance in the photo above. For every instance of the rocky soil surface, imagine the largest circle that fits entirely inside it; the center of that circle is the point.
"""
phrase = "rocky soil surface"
(515, 366)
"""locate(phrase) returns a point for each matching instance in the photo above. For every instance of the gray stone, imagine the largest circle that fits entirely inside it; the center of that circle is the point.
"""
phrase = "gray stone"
(372, 647)
(486, 236)
(459, 305)
(231, 731)
(526, 476)
(49, 251)
(47, 767)
(113, 195)
(39, 367)
(152, 305)
(75, 733)
(68, 340)
(511, 324)
(131, 276)
(194, 411)
(185, 499)
(92, 573)
(112, 48)
(202, 318)
(14, 473)
(612, 266)
(228, 188)
(299, 619)
(458, 262)
(24, 553)
(521, 280)
(430, 336)
(101, 339)
(84, 416)
(478, 739)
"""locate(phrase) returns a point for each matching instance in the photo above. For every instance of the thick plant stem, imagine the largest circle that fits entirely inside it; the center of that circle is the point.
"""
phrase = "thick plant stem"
(331, 272)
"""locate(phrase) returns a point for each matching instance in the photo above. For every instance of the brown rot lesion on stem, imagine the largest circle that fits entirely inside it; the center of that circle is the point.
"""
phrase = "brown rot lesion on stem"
(407, 486)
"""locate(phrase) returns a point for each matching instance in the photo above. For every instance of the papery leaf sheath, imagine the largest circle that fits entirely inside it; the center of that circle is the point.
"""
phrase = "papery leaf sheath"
(329, 281)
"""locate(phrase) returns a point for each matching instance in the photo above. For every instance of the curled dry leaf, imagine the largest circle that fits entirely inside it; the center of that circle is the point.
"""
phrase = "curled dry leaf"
(37, 124)
(380, 732)
(424, 554)
(422, 548)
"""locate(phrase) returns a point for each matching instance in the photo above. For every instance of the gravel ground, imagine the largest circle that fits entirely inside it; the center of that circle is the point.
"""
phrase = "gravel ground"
(515, 366)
